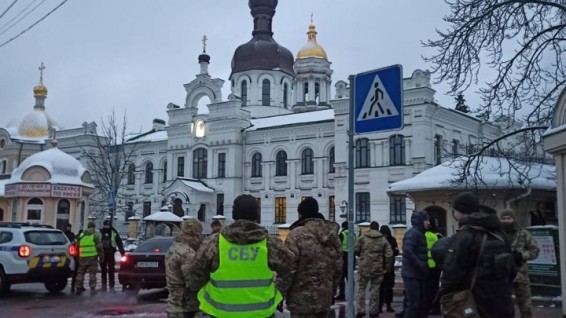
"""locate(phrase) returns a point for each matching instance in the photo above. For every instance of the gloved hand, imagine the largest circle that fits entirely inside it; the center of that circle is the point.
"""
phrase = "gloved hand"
(518, 258)
(280, 307)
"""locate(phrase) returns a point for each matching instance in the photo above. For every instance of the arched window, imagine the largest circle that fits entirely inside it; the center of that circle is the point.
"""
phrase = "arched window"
(281, 163)
(266, 92)
(285, 95)
(149, 172)
(307, 163)
(256, 165)
(331, 161)
(165, 171)
(362, 153)
(131, 173)
(244, 93)
(396, 150)
(63, 212)
(199, 163)
(34, 210)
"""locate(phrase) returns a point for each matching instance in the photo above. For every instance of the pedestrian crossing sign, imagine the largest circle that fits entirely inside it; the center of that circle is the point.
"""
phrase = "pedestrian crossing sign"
(378, 100)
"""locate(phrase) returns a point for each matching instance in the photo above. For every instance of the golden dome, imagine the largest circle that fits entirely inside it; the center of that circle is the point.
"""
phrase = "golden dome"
(312, 48)
(39, 90)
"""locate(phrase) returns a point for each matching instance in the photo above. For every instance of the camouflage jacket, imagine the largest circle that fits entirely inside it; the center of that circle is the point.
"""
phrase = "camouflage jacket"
(280, 259)
(375, 254)
(177, 268)
(318, 263)
(522, 241)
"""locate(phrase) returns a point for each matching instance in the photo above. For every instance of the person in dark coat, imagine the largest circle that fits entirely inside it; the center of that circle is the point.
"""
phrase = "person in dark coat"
(492, 290)
(73, 239)
(386, 292)
(415, 267)
(111, 242)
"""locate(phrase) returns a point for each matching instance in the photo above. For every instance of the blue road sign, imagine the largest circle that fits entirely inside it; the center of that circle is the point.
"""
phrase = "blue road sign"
(110, 199)
(378, 100)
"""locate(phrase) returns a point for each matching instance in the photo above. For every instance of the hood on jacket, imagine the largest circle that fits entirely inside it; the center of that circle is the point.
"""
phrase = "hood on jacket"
(244, 232)
(373, 234)
(88, 231)
(326, 232)
(191, 231)
(302, 220)
(417, 220)
(488, 221)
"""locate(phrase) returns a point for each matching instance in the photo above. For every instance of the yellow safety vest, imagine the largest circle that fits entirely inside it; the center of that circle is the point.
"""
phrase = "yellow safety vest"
(242, 286)
(345, 240)
(431, 238)
(87, 247)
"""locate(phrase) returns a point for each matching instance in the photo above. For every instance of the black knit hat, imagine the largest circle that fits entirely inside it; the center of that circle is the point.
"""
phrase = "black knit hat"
(308, 208)
(466, 203)
(245, 208)
(106, 222)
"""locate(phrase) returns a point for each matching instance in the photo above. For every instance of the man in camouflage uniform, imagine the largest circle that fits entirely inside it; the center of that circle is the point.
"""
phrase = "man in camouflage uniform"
(318, 262)
(243, 231)
(524, 249)
(90, 250)
(182, 303)
(376, 255)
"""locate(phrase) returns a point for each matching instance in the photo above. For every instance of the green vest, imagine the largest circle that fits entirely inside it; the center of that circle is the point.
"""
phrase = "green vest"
(431, 238)
(87, 247)
(345, 240)
(242, 286)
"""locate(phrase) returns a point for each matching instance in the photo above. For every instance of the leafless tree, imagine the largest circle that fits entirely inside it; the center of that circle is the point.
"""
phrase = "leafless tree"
(524, 41)
(108, 159)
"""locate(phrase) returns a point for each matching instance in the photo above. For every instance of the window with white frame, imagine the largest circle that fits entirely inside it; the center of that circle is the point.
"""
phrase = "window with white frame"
(34, 210)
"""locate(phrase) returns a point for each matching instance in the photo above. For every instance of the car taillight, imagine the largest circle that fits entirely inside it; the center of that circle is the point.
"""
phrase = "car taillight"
(73, 250)
(124, 259)
(24, 251)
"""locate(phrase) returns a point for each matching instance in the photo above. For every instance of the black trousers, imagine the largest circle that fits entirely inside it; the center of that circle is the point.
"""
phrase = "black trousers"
(386, 292)
(107, 268)
(415, 298)
(432, 284)
(342, 285)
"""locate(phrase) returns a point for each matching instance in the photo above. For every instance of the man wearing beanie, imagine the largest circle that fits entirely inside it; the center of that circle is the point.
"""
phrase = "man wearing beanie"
(376, 257)
(182, 303)
(233, 269)
(493, 267)
(318, 262)
(524, 249)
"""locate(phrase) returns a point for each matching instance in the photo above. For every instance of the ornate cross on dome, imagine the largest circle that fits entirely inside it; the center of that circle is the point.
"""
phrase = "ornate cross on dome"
(311, 18)
(41, 68)
(204, 39)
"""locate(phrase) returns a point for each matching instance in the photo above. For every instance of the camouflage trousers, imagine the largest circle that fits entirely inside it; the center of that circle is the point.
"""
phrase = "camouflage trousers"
(523, 295)
(90, 265)
(375, 283)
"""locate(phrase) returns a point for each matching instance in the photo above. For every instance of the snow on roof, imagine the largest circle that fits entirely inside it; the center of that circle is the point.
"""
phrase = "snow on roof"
(151, 136)
(62, 167)
(494, 171)
(163, 217)
(299, 118)
(199, 186)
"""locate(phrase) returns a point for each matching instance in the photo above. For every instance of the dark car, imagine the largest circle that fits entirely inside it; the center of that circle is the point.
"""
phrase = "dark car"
(144, 268)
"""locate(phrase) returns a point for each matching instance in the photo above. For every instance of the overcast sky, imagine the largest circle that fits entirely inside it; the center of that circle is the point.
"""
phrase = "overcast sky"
(135, 55)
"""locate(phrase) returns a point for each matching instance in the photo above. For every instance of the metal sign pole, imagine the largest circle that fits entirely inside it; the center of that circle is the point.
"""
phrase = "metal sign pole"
(350, 287)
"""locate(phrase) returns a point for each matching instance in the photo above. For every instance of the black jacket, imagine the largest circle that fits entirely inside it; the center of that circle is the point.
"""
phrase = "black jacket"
(414, 249)
(106, 237)
(493, 288)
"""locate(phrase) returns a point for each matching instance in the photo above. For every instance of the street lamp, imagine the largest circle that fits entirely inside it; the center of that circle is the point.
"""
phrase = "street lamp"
(344, 209)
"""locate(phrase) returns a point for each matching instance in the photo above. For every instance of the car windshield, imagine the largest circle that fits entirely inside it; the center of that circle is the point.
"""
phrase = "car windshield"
(46, 237)
(155, 246)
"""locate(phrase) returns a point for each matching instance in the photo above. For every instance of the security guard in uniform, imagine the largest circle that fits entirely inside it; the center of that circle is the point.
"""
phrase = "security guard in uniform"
(234, 269)
(90, 250)
(344, 241)
(433, 278)
(110, 242)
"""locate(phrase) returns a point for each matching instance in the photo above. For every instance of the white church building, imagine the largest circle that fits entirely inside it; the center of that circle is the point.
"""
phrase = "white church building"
(281, 136)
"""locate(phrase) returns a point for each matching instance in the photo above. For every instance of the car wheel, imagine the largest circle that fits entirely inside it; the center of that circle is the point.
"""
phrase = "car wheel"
(55, 286)
(4, 285)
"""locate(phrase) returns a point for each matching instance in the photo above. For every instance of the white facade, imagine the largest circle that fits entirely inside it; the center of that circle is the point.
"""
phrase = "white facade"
(200, 162)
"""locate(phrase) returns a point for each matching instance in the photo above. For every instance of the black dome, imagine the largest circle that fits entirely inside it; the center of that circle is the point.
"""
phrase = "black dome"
(262, 52)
